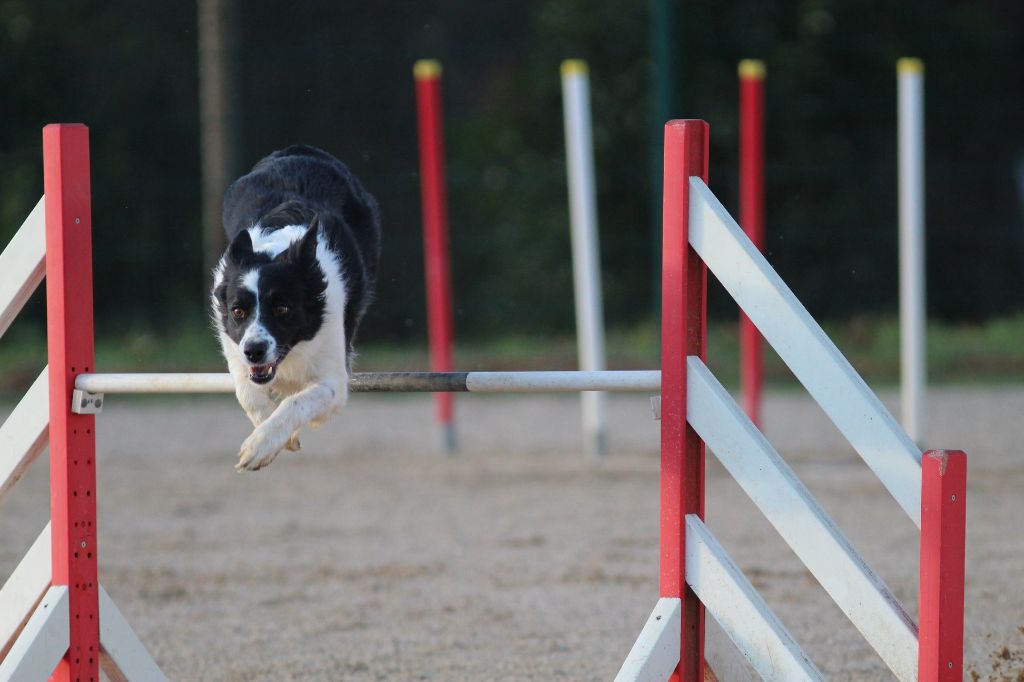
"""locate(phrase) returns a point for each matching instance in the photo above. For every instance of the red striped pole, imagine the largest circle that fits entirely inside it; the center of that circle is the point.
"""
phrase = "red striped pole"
(943, 533)
(70, 350)
(751, 72)
(683, 333)
(435, 238)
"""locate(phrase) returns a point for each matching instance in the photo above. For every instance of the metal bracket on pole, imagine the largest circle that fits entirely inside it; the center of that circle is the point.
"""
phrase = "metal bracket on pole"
(83, 402)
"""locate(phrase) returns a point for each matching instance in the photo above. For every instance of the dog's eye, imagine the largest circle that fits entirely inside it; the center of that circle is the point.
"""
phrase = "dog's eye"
(281, 310)
(238, 312)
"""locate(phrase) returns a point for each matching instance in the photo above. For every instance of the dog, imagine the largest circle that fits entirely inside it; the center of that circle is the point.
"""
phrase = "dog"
(290, 291)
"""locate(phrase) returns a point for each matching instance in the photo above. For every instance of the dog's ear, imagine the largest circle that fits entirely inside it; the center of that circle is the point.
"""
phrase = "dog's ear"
(305, 250)
(241, 247)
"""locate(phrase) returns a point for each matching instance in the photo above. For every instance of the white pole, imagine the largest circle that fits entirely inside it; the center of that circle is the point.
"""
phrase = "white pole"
(643, 381)
(579, 149)
(910, 74)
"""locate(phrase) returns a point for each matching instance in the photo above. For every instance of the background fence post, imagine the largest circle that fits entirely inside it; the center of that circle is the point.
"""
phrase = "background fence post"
(586, 261)
(910, 75)
(683, 332)
(70, 351)
(751, 73)
(435, 239)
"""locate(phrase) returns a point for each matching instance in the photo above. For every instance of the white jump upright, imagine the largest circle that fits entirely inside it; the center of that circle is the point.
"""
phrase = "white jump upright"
(913, 319)
(586, 261)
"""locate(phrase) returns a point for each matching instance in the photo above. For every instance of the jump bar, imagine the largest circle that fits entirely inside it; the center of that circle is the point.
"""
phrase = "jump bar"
(395, 382)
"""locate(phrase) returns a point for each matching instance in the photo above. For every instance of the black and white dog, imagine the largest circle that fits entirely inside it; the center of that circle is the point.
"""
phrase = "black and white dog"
(290, 291)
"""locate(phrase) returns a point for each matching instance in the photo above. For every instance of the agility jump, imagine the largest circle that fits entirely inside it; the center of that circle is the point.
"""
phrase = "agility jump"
(56, 619)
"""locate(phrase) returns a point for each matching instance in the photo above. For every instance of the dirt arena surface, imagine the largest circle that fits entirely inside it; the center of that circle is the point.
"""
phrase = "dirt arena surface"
(367, 557)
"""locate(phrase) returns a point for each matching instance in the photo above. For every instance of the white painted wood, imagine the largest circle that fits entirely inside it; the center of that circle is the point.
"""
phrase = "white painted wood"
(586, 262)
(656, 652)
(804, 347)
(911, 231)
(800, 520)
(23, 590)
(23, 265)
(25, 433)
(734, 603)
(124, 657)
(43, 641)
(478, 382)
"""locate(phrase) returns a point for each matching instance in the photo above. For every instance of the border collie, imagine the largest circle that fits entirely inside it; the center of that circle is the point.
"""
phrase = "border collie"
(290, 291)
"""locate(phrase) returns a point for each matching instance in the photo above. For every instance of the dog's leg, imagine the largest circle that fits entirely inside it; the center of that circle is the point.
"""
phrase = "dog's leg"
(256, 402)
(315, 402)
(258, 405)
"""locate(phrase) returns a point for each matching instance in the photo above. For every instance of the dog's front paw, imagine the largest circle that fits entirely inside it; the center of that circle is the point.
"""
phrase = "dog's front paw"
(260, 448)
(293, 444)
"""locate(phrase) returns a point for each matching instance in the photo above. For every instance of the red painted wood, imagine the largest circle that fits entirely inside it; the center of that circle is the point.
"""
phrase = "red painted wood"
(70, 349)
(683, 332)
(435, 234)
(752, 220)
(943, 532)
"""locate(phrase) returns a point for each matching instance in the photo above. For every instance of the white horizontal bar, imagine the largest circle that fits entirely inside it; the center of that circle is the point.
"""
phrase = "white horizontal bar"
(192, 382)
(804, 347)
(800, 520)
(655, 654)
(25, 433)
(124, 657)
(477, 382)
(730, 598)
(23, 590)
(43, 641)
(553, 382)
(23, 264)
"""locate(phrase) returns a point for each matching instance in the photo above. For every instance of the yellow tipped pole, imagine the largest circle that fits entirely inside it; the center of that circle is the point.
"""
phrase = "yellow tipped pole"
(425, 69)
(909, 65)
(751, 69)
(913, 316)
(572, 67)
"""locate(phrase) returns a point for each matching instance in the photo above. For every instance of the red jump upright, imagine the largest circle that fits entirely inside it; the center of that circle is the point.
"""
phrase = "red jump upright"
(435, 238)
(751, 73)
(943, 534)
(683, 333)
(70, 347)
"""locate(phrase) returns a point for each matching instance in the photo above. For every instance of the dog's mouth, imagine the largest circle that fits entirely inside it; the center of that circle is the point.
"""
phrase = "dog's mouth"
(262, 374)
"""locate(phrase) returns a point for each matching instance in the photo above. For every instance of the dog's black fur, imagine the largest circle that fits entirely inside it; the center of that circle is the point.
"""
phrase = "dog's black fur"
(303, 185)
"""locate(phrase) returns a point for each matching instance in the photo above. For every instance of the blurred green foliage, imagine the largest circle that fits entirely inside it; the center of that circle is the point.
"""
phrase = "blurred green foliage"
(338, 75)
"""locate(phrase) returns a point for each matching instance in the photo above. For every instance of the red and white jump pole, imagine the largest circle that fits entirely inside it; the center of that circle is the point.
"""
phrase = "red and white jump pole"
(70, 348)
(586, 262)
(910, 78)
(437, 267)
(751, 75)
(683, 333)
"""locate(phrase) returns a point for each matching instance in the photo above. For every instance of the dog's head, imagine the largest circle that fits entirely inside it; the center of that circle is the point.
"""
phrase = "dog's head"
(269, 296)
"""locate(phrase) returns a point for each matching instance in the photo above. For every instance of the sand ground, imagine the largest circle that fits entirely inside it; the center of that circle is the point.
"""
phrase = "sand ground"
(367, 557)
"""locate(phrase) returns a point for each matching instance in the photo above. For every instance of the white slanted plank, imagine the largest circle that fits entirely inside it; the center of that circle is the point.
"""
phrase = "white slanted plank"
(23, 436)
(23, 590)
(43, 641)
(740, 610)
(123, 656)
(800, 520)
(804, 347)
(656, 652)
(23, 264)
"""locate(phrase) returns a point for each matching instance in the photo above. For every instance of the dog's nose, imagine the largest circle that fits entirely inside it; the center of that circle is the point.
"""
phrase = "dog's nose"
(256, 352)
